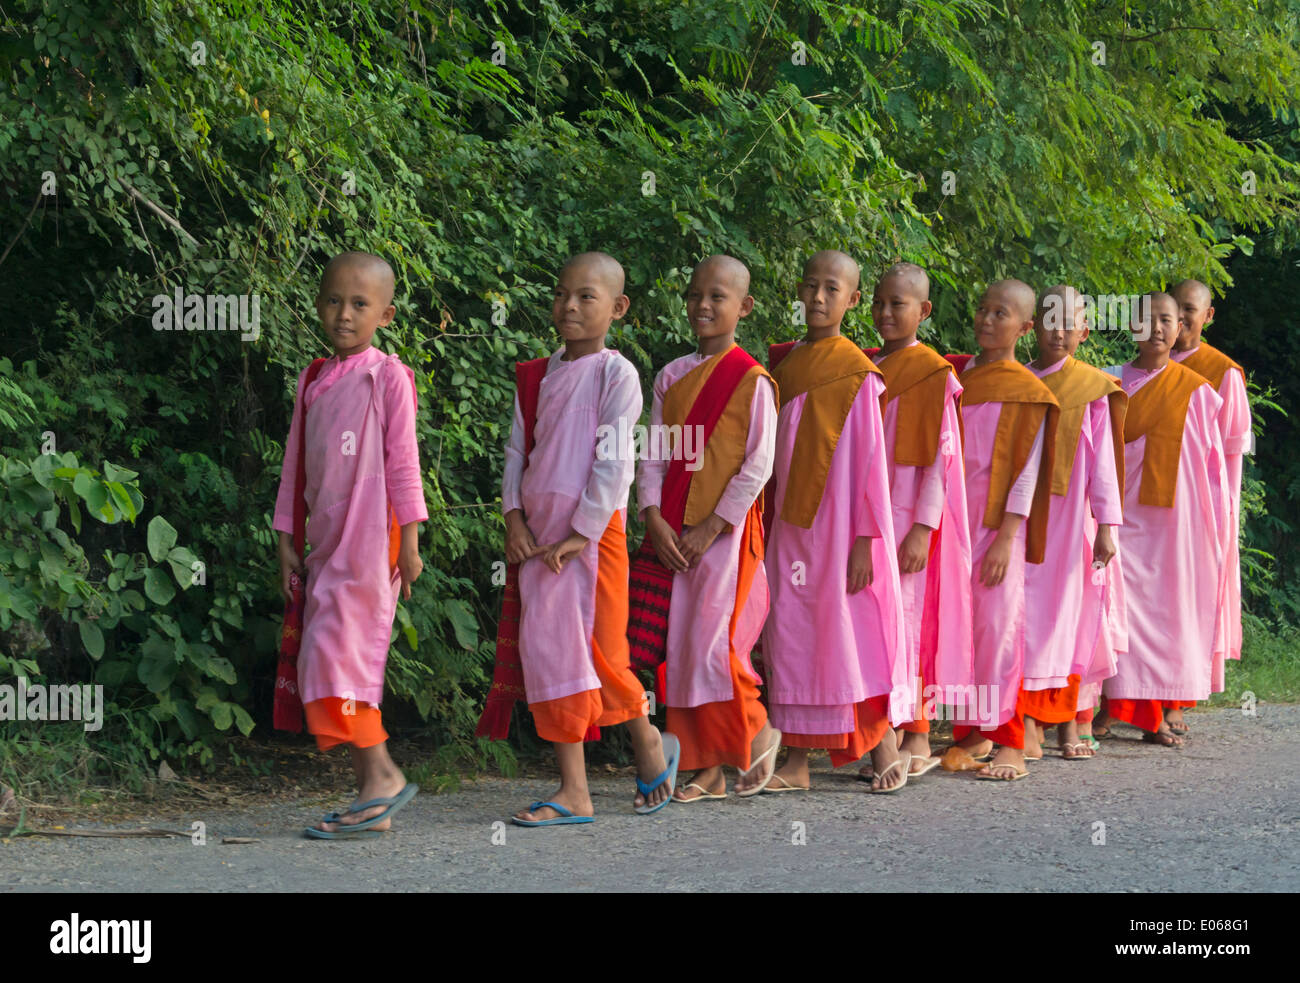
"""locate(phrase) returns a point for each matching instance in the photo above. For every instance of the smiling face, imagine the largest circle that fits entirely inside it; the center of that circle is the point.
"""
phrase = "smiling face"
(1156, 316)
(1061, 325)
(588, 298)
(718, 297)
(900, 303)
(1194, 310)
(355, 299)
(829, 287)
(1005, 314)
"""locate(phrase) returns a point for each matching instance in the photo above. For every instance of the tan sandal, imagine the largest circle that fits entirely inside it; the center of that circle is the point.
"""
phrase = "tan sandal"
(704, 794)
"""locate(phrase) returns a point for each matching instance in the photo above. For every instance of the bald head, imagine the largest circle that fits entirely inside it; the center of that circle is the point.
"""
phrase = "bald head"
(1193, 291)
(727, 268)
(1017, 294)
(911, 278)
(832, 262)
(374, 268)
(1058, 307)
(598, 265)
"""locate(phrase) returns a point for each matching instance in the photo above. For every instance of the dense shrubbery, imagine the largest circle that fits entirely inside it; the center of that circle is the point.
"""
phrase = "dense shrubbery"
(229, 148)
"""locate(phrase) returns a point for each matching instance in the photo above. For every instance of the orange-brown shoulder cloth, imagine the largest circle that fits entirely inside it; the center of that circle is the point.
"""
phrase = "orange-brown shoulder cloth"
(1027, 404)
(724, 452)
(1211, 363)
(1158, 412)
(916, 377)
(830, 371)
(1076, 384)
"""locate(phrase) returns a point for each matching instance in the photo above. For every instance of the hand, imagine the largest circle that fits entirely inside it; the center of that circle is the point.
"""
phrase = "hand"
(409, 565)
(521, 545)
(696, 539)
(560, 553)
(667, 546)
(914, 550)
(290, 562)
(1103, 546)
(994, 568)
(860, 572)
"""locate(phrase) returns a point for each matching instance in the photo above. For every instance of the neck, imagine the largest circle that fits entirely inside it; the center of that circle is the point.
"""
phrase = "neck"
(1148, 361)
(889, 347)
(1040, 363)
(1190, 343)
(577, 349)
(343, 353)
(716, 344)
(988, 355)
(822, 333)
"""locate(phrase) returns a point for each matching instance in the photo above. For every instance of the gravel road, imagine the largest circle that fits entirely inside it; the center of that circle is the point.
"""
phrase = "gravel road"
(1219, 815)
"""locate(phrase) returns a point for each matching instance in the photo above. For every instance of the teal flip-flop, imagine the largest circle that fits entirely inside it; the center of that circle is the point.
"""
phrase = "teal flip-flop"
(311, 832)
(672, 754)
(394, 803)
(565, 818)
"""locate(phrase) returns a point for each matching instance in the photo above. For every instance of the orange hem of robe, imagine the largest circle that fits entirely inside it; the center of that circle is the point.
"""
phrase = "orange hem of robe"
(621, 697)
(1052, 706)
(331, 727)
(920, 725)
(871, 722)
(1144, 714)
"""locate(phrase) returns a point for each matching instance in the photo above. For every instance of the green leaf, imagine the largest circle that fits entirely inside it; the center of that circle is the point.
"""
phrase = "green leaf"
(157, 587)
(157, 664)
(182, 563)
(463, 623)
(161, 538)
(242, 720)
(221, 716)
(92, 638)
(112, 473)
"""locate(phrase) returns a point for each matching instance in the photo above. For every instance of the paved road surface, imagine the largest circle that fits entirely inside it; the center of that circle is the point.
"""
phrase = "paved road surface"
(1221, 815)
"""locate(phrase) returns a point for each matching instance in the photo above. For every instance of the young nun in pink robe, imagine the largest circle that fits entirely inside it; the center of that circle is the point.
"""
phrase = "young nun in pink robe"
(565, 504)
(1229, 381)
(1009, 419)
(834, 652)
(1175, 538)
(1069, 641)
(927, 493)
(362, 478)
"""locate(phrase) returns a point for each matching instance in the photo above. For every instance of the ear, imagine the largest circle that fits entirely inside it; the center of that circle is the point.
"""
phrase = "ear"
(926, 308)
(1209, 316)
(853, 301)
(746, 305)
(1086, 331)
(390, 312)
(1025, 328)
(621, 304)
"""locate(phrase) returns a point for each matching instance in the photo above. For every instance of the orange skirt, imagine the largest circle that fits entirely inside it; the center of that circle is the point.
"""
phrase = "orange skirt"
(334, 721)
(621, 697)
(1147, 715)
(871, 723)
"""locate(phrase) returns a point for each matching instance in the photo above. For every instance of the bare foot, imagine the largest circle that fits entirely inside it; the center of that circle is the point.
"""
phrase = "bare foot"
(1033, 739)
(1174, 718)
(576, 803)
(1100, 726)
(759, 771)
(648, 747)
(1164, 736)
(795, 771)
(1007, 764)
(380, 787)
(884, 762)
(711, 780)
(976, 743)
(918, 746)
(1067, 739)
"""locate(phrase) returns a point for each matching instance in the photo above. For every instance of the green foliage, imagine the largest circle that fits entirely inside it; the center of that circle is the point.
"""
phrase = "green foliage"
(230, 148)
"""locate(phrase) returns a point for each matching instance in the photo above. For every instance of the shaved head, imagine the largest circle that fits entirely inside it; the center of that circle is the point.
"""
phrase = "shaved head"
(840, 263)
(1061, 300)
(367, 263)
(1194, 291)
(1019, 294)
(1157, 296)
(603, 266)
(915, 281)
(730, 269)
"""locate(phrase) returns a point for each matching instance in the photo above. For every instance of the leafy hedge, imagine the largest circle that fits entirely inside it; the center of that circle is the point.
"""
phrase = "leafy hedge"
(230, 148)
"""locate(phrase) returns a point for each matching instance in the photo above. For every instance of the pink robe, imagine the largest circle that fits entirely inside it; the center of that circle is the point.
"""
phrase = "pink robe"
(362, 460)
(577, 477)
(997, 613)
(1070, 626)
(1174, 563)
(704, 597)
(826, 650)
(1234, 429)
(935, 496)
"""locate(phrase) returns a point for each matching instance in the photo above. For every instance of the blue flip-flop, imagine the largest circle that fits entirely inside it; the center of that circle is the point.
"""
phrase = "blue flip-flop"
(311, 832)
(565, 817)
(672, 754)
(394, 803)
